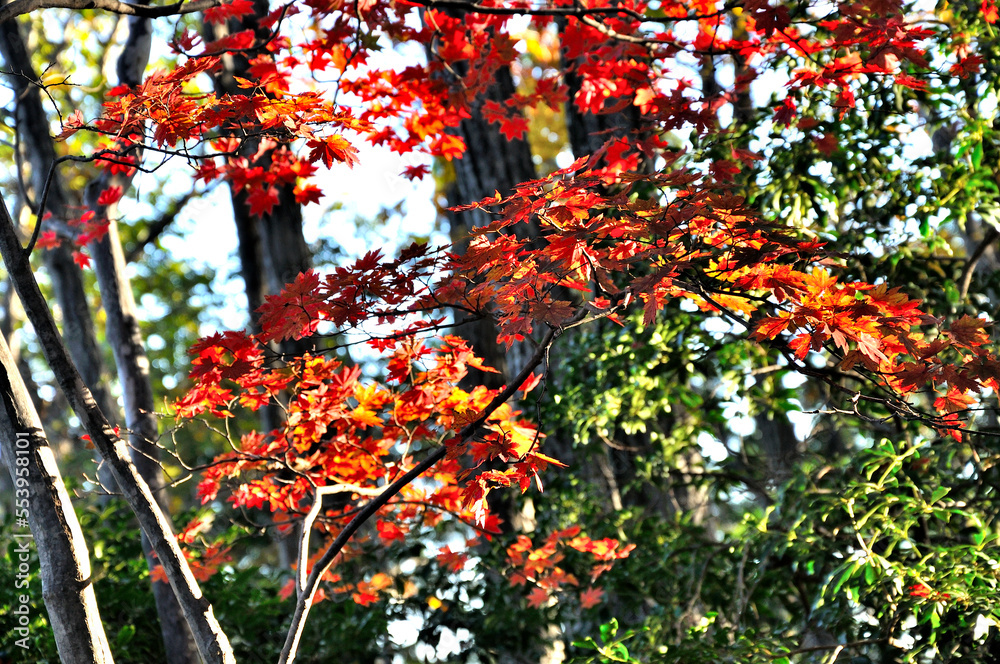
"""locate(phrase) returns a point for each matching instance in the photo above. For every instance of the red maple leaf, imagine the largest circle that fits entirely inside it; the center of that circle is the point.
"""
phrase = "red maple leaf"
(990, 12)
(263, 200)
(109, 196)
(785, 113)
(827, 143)
(308, 193)
(769, 328)
(537, 598)
(333, 149)
(389, 532)
(591, 597)
(48, 240)
(968, 331)
(81, 259)
(233, 9)
(416, 172)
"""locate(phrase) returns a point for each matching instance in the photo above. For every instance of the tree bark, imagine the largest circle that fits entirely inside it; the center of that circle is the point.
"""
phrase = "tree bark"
(122, 331)
(491, 163)
(119, 304)
(272, 246)
(41, 498)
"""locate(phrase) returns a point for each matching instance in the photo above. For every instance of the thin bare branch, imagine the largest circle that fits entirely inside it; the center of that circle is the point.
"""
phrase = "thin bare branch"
(19, 7)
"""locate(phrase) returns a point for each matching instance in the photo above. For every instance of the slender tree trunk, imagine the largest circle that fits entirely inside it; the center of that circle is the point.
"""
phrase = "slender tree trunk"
(122, 331)
(272, 247)
(117, 298)
(67, 279)
(41, 499)
(491, 163)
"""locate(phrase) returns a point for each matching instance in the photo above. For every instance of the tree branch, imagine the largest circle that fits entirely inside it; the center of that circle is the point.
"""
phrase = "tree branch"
(155, 229)
(970, 267)
(577, 11)
(42, 501)
(322, 565)
(19, 7)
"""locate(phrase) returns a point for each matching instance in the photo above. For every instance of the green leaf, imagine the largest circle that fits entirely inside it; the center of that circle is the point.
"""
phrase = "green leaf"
(125, 634)
(618, 652)
(609, 629)
(870, 574)
(848, 571)
(939, 493)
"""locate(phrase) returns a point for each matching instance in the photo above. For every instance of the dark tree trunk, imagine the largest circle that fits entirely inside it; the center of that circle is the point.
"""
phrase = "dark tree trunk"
(119, 304)
(212, 642)
(122, 331)
(272, 247)
(491, 163)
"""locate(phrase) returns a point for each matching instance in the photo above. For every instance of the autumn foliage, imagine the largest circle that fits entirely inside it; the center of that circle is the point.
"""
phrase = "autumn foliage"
(587, 241)
(660, 214)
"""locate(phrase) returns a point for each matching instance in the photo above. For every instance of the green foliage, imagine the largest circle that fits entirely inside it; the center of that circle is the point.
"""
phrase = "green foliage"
(611, 647)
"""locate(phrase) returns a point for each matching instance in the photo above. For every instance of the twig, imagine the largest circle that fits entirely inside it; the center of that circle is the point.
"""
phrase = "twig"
(970, 266)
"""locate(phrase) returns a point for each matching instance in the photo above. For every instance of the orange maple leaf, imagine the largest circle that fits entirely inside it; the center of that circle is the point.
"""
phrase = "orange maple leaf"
(591, 597)
(538, 598)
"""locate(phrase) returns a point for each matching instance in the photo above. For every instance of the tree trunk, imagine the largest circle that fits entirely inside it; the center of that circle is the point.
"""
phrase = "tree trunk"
(491, 163)
(119, 304)
(122, 331)
(272, 247)
(41, 499)
(212, 643)
(67, 279)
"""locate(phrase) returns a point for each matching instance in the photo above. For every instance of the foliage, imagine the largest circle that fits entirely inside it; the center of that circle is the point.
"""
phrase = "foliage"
(721, 275)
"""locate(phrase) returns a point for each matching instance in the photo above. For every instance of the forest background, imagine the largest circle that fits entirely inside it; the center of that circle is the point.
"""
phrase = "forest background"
(730, 267)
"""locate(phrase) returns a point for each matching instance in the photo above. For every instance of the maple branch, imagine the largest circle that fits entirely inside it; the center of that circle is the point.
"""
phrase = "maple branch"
(211, 640)
(577, 11)
(310, 518)
(527, 11)
(40, 211)
(325, 561)
(820, 648)
(19, 7)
